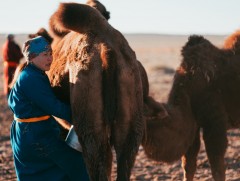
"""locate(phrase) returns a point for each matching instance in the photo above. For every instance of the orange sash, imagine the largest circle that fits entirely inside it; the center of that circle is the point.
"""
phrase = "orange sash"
(31, 120)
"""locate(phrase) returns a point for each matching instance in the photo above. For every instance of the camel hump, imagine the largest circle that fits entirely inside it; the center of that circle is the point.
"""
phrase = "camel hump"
(232, 42)
(194, 40)
(76, 17)
(195, 46)
(200, 55)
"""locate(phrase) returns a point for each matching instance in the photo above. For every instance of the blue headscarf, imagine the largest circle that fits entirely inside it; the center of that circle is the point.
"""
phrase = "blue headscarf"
(35, 46)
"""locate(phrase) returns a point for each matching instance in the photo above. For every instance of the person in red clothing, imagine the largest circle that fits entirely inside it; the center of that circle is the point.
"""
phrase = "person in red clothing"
(12, 55)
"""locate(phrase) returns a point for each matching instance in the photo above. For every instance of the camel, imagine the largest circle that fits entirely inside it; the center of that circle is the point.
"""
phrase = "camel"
(215, 104)
(94, 64)
(206, 89)
(59, 80)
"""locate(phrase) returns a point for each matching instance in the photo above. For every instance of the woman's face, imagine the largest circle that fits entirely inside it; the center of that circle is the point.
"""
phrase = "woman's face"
(43, 61)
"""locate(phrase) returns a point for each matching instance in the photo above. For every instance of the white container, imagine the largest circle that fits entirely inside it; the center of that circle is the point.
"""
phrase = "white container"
(72, 140)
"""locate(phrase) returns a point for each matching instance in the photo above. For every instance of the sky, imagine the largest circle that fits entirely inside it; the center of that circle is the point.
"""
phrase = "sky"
(183, 17)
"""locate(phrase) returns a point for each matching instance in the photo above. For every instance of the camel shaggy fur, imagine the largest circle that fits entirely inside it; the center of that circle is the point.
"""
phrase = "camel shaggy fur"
(206, 89)
(58, 35)
(215, 99)
(94, 64)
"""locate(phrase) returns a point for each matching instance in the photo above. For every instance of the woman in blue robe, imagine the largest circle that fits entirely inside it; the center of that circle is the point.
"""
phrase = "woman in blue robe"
(39, 152)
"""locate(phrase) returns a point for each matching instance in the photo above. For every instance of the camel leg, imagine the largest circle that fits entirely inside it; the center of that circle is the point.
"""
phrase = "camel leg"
(128, 127)
(97, 156)
(105, 163)
(215, 139)
(189, 160)
(93, 135)
(126, 145)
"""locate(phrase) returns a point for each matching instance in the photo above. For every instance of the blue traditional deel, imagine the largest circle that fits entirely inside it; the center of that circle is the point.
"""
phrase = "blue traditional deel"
(39, 153)
(35, 46)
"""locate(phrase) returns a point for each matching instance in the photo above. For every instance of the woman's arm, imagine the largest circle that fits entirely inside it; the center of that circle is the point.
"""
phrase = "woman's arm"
(38, 90)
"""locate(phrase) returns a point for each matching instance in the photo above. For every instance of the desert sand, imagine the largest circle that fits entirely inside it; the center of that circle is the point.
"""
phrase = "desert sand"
(160, 55)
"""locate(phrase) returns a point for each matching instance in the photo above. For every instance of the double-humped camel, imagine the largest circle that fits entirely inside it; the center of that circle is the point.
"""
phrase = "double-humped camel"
(206, 90)
(180, 139)
(94, 64)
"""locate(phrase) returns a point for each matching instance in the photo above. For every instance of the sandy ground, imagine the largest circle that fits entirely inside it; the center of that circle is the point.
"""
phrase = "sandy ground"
(160, 56)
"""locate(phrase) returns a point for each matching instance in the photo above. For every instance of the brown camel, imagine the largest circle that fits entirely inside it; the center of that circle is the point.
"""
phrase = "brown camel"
(215, 103)
(181, 140)
(95, 65)
(208, 78)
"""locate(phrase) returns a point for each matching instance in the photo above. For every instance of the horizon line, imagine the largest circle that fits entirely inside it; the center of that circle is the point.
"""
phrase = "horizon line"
(137, 33)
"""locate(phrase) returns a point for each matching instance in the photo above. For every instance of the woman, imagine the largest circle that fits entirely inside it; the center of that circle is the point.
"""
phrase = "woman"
(11, 54)
(39, 153)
